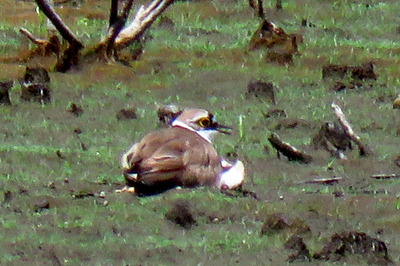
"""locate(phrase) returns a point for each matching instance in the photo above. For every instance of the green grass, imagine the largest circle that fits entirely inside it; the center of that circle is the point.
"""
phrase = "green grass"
(204, 62)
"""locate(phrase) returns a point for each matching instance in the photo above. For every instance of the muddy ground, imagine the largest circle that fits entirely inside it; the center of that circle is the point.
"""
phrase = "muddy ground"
(59, 162)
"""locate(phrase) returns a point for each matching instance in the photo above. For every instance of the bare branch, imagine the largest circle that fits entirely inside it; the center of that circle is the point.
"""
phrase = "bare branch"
(260, 9)
(144, 19)
(113, 12)
(32, 38)
(63, 29)
(116, 27)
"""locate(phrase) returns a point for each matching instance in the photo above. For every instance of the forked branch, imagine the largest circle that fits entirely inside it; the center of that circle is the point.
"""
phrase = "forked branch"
(144, 18)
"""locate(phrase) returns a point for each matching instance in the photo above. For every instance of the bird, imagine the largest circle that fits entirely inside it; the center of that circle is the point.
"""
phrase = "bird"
(181, 155)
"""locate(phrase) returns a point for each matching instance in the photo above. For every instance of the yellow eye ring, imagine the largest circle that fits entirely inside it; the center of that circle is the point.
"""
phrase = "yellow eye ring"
(204, 122)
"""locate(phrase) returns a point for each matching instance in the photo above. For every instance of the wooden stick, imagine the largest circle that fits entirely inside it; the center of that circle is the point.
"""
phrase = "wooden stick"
(348, 129)
(63, 29)
(32, 38)
(292, 153)
(323, 180)
(385, 176)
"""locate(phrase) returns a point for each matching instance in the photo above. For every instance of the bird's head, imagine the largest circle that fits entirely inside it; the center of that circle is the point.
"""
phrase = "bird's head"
(202, 122)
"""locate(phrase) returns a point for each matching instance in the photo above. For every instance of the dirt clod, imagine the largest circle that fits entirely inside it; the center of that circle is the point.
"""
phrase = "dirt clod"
(396, 103)
(301, 252)
(5, 87)
(75, 109)
(360, 72)
(279, 222)
(166, 23)
(397, 160)
(8, 196)
(280, 46)
(41, 205)
(83, 194)
(275, 113)
(125, 114)
(181, 215)
(348, 243)
(261, 89)
(36, 93)
(38, 75)
(35, 85)
(275, 223)
(167, 113)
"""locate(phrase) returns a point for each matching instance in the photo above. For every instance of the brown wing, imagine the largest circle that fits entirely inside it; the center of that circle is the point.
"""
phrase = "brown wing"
(174, 155)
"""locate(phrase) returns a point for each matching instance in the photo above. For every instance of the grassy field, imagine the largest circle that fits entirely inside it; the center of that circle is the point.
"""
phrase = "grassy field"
(59, 205)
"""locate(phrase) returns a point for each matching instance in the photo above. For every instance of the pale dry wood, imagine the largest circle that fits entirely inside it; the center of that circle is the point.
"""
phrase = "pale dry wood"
(144, 18)
(323, 180)
(31, 37)
(349, 130)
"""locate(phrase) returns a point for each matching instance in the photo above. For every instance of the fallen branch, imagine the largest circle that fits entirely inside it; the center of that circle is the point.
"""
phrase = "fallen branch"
(292, 153)
(348, 130)
(323, 181)
(385, 176)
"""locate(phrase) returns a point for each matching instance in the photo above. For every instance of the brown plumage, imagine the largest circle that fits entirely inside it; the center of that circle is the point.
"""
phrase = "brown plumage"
(181, 155)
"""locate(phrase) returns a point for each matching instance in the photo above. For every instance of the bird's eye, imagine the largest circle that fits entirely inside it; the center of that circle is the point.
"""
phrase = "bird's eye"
(205, 122)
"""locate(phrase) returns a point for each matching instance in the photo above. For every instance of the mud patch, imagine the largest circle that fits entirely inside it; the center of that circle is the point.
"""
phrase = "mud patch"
(349, 243)
(262, 90)
(181, 215)
(36, 85)
(301, 252)
(126, 114)
(5, 87)
(360, 72)
(279, 222)
(75, 109)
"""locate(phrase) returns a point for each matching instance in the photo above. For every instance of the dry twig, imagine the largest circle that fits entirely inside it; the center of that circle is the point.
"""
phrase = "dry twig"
(385, 176)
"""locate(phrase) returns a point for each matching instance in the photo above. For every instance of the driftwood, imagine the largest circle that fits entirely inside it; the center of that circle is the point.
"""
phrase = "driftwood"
(292, 153)
(364, 151)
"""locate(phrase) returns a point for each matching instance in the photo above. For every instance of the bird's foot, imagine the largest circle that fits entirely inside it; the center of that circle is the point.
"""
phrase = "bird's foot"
(126, 189)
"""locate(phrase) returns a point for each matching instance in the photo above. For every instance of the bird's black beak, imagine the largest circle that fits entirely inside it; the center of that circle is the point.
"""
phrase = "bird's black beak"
(222, 128)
